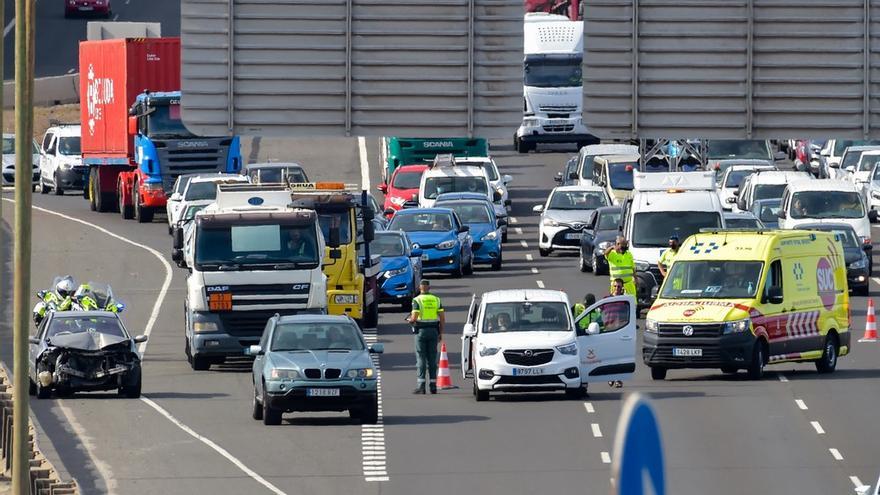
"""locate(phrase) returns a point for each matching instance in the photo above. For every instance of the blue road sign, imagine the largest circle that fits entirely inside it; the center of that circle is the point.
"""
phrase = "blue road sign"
(638, 465)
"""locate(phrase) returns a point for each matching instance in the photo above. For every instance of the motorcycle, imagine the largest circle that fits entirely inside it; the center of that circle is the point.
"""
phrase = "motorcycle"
(88, 297)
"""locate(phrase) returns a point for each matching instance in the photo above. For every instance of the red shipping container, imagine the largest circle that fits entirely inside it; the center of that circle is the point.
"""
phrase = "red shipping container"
(112, 74)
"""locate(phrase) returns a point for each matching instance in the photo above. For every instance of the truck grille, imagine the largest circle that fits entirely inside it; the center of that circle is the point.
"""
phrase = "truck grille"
(278, 296)
(700, 331)
(520, 357)
(559, 128)
(177, 158)
(245, 323)
(558, 108)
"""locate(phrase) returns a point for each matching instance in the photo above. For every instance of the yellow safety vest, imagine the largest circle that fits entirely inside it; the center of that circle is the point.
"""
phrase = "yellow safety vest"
(621, 266)
(428, 306)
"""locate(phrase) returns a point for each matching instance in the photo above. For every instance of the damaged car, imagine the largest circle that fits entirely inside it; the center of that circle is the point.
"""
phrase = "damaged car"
(83, 351)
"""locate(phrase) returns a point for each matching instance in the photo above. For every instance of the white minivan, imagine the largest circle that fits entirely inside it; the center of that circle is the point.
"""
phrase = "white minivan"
(443, 176)
(526, 340)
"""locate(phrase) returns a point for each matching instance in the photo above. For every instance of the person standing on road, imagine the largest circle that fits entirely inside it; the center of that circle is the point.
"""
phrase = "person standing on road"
(428, 320)
(580, 307)
(621, 265)
(668, 256)
(617, 288)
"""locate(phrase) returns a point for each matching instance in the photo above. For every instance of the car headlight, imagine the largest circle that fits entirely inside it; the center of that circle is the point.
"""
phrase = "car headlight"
(605, 245)
(278, 374)
(489, 351)
(568, 349)
(858, 265)
(360, 373)
(394, 273)
(204, 326)
(738, 326)
(875, 194)
(65, 165)
(643, 266)
(651, 325)
(398, 201)
(345, 299)
(491, 236)
(549, 222)
(446, 244)
(530, 122)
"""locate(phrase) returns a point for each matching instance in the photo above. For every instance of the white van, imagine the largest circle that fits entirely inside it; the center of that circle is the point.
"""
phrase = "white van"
(61, 166)
(443, 176)
(765, 184)
(614, 173)
(732, 178)
(826, 201)
(586, 172)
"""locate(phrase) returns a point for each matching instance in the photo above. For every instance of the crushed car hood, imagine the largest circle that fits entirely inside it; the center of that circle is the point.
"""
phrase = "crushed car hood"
(86, 341)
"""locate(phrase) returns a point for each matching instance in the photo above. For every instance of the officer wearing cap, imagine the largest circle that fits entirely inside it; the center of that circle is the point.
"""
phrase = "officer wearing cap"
(428, 320)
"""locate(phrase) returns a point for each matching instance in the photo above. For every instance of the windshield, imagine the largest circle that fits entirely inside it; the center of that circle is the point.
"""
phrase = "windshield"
(736, 177)
(712, 280)
(867, 162)
(329, 220)
(608, 220)
(201, 190)
(9, 146)
(850, 159)
(435, 186)
(526, 317)
(732, 148)
(841, 145)
(79, 324)
(471, 213)
(386, 245)
(769, 211)
(545, 72)
(407, 180)
(741, 223)
(277, 175)
(235, 247)
(191, 211)
(653, 229)
(826, 204)
(421, 222)
(577, 200)
(180, 184)
(768, 191)
(620, 175)
(292, 337)
(846, 236)
(69, 145)
(165, 121)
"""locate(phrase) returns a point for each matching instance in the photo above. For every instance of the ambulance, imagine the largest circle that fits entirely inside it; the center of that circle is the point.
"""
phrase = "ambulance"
(739, 300)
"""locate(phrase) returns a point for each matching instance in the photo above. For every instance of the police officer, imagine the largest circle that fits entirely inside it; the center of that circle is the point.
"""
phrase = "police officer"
(428, 321)
(622, 265)
(594, 316)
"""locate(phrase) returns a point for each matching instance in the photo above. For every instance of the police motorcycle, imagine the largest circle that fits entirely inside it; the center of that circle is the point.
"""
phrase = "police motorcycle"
(96, 297)
(65, 295)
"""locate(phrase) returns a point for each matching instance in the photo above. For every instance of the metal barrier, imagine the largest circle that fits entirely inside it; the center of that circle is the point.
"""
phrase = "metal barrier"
(44, 479)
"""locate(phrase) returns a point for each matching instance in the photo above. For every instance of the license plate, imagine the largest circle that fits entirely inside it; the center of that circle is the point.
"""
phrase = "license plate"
(86, 9)
(527, 371)
(557, 122)
(425, 257)
(322, 392)
(677, 351)
(573, 236)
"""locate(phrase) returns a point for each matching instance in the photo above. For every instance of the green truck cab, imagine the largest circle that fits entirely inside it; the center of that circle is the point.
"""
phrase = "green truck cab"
(398, 151)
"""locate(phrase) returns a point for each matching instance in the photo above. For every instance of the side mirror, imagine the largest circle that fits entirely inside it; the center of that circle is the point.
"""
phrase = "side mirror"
(176, 197)
(177, 238)
(558, 178)
(333, 238)
(369, 231)
(736, 193)
(731, 200)
(834, 165)
(253, 350)
(383, 188)
(469, 330)
(42, 293)
(779, 156)
(464, 228)
(416, 253)
(389, 211)
(377, 348)
(573, 176)
(501, 222)
(655, 291)
(593, 329)
(781, 214)
(538, 208)
(34, 340)
(872, 215)
(132, 126)
(120, 307)
(506, 179)
(497, 196)
(140, 339)
(177, 257)
(774, 295)
(508, 202)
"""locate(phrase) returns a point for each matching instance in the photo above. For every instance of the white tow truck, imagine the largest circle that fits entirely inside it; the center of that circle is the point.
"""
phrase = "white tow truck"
(250, 255)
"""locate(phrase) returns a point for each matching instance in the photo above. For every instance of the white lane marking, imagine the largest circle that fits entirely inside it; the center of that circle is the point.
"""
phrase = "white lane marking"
(523, 243)
(529, 257)
(606, 457)
(801, 404)
(782, 378)
(116, 17)
(540, 283)
(876, 280)
(856, 481)
(518, 230)
(817, 427)
(9, 27)
(597, 432)
(534, 270)
(513, 220)
(220, 450)
(365, 163)
(589, 407)
(861, 488)
(373, 460)
(377, 478)
(836, 454)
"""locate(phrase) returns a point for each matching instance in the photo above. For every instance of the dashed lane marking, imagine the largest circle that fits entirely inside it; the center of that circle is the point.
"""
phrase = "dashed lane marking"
(518, 230)
(836, 454)
(876, 280)
(801, 404)
(597, 432)
(513, 220)
(523, 243)
(529, 257)
(782, 378)
(374, 460)
(606, 458)
(540, 283)
(534, 270)
(589, 407)
(817, 427)
(861, 488)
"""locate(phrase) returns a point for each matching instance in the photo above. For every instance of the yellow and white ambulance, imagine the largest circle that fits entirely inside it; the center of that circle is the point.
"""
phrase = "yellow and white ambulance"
(740, 300)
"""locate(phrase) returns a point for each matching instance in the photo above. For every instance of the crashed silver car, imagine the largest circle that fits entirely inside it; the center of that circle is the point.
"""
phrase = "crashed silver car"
(78, 351)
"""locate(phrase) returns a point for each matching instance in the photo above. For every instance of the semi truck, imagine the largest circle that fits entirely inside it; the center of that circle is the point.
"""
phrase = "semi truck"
(399, 151)
(134, 143)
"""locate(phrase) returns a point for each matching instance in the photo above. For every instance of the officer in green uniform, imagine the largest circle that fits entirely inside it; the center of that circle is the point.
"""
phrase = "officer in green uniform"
(594, 316)
(622, 265)
(666, 260)
(428, 320)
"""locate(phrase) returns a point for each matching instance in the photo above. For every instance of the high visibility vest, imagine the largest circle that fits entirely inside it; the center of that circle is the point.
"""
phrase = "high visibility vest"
(428, 307)
(621, 266)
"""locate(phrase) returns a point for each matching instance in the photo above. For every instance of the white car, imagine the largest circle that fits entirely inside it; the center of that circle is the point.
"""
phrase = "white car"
(200, 188)
(526, 340)
(826, 201)
(61, 165)
(8, 175)
(765, 184)
(444, 176)
(732, 178)
(831, 154)
(862, 172)
(565, 215)
(496, 180)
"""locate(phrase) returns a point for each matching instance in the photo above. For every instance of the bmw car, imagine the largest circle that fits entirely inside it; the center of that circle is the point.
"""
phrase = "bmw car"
(444, 240)
(401, 267)
(485, 229)
(314, 363)
(564, 216)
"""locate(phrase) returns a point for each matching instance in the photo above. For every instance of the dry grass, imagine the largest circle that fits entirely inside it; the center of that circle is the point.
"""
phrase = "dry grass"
(42, 117)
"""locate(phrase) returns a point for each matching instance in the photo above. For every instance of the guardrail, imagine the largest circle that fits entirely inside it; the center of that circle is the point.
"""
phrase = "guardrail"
(44, 479)
(48, 91)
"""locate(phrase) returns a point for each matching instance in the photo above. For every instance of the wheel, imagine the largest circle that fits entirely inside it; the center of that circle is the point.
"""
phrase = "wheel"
(504, 236)
(828, 362)
(44, 189)
(496, 265)
(200, 363)
(256, 407)
(870, 266)
(544, 252)
(271, 416)
(59, 191)
(42, 392)
(658, 373)
(371, 315)
(756, 367)
(727, 370)
(127, 211)
(519, 146)
(584, 266)
(141, 213)
(131, 391)
(32, 388)
(469, 269)
(459, 270)
(90, 187)
(863, 291)
(480, 395)
(575, 393)
(170, 230)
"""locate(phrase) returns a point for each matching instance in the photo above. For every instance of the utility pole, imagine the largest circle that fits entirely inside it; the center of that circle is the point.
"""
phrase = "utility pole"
(24, 131)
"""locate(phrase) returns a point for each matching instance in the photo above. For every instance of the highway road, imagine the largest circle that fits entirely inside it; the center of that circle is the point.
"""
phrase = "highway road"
(795, 432)
(57, 38)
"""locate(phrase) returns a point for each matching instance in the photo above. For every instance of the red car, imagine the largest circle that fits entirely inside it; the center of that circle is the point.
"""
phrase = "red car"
(87, 7)
(402, 186)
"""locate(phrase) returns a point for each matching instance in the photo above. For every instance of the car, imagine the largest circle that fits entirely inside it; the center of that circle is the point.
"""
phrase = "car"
(401, 268)
(275, 173)
(314, 363)
(765, 184)
(849, 168)
(202, 189)
(444, 240)
(403, 187)
(500, 211)
(831, 154)
(568, 176)
(588, 170)
(742, 220)
(861, 175)
(614, 173)
(767, 211)
(527, 340)
(80, 351)
(735, 172)
(8, 174)
(564, 216)
(599, 234)
(718, 150)
(61, 165)
(497, 182)
(485, 229)
(856, 255)
(88, 7)
(444, 176)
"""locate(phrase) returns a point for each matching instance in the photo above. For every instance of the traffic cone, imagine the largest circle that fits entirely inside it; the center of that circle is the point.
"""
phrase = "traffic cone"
(870, 324)
(444, 380)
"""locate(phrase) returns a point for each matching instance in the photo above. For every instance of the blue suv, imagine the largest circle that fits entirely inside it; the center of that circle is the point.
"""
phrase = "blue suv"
(442, 237)
(485, 228)
(401, 268)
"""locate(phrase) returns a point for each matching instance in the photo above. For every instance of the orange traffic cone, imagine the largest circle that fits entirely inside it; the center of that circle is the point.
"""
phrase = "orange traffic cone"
(444, 380)
(870, 325)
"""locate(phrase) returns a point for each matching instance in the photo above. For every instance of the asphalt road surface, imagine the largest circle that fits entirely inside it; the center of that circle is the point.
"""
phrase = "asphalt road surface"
(722, 434)
(57, 38)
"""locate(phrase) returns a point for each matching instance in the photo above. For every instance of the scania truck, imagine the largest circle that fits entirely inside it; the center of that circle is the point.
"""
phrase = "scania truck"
(134, 142)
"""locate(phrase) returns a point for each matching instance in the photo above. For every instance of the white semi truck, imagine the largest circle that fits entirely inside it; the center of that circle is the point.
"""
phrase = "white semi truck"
(553, 88)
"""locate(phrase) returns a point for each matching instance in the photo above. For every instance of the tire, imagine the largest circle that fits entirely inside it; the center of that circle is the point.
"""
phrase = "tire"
(496, 265)
(141, 214)
(727, 370)
(575, 393)
(480, 395)
(131, 391)
(44, 189)
(504, 236)
(127, 211)
(32, 388)
(469, 269)
(371, 316)
(544, 252)
(519, 146)
(366, 416)
(256, 407)
(271, 416)
(863, 291)
(658, 373)
(756, 367)
(583, 265)
(200, 363)
(459, 271)
(92, 193)
(59, 191)
(828, 362)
